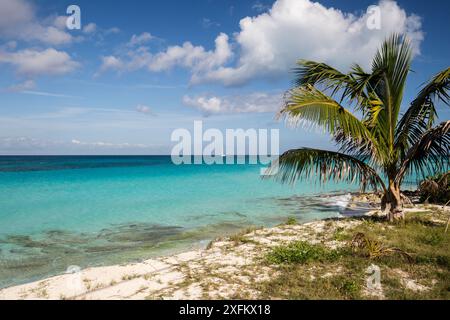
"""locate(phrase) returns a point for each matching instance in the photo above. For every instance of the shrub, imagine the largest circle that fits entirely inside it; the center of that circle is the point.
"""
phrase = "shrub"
(435, 189)
(301, 252)
(291, 221)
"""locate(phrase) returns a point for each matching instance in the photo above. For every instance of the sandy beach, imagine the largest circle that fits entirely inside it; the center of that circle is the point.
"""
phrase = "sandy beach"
(228, 268)
(169, 277)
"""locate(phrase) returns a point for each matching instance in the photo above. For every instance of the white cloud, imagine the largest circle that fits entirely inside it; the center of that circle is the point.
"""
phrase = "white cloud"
(99, 126)
(90, 28)
(28, 145)
(189, 56)
(193, 57)
(112, 30)
(207, 23)
(137, 40)
(111, 63)
(101, 144)
(18, 21)
(144, 109)
(47, 94)
(271, 42)
(60, 22)
(205, 104)
(32, 62)
(14, 13)
(26, 85)
(257, 102)
(260, 7)
(23, 144)
(268, 45)
(47, 34)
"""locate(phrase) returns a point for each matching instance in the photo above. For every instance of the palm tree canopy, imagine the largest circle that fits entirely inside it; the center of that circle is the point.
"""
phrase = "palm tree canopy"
(371, 134)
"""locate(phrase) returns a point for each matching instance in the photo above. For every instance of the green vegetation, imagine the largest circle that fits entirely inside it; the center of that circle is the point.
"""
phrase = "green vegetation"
(240, 237)
(301, 252)
(291, 221)
(295, 284)
(380, 142)
(413, 257)
(362, 244)
(339, 234)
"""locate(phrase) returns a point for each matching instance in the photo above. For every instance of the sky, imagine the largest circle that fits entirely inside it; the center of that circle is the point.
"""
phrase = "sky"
(137, 70)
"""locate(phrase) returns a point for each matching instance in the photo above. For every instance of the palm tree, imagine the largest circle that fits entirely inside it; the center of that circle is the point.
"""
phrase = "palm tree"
(377, 146)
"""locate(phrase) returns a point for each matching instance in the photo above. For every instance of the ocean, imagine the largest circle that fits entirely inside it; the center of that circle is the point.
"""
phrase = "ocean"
(62, 211)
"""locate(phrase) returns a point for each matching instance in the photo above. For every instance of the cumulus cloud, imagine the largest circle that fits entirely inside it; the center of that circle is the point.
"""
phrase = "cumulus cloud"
(268, 44)
(90, 28)
(18, 21)
(189, 56)
(193, 57)
(59, 22)
(110, 63)
(271, 42)
(205, 104)
(257, 102)
(260, 7)
(33, 62)
(137, 40)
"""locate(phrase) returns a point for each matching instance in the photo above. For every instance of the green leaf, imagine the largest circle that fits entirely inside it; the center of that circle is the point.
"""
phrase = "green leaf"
(325, 165)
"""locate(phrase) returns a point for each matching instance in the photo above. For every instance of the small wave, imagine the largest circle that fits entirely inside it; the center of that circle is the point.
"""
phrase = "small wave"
(342, 201)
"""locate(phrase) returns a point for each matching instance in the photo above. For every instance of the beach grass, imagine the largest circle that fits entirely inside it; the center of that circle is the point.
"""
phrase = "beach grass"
(301, 252)
(314, 272)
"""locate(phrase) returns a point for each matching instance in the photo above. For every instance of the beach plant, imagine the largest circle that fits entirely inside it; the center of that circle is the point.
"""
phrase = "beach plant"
(378, 144)
(301, 252)
(375, 249)
(291, 221)
(435, 188)
(414, 252)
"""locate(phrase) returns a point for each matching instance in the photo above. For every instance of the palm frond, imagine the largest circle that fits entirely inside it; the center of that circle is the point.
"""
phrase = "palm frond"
(421, 114)
(324, 165)
(308, 105)
(352, 86)
(429, 154)
(362, 90)
(392, 62)
(316, 73)
(372, 138)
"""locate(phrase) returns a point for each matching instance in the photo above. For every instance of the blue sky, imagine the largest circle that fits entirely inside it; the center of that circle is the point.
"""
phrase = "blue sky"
(137, 70)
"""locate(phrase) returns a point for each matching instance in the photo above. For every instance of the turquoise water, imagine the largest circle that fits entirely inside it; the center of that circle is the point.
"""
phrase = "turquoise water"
(89, 211)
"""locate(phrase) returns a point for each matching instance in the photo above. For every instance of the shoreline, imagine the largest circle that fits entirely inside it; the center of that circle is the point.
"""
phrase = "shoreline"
(51, 252)
(227, 268)
(157, 274)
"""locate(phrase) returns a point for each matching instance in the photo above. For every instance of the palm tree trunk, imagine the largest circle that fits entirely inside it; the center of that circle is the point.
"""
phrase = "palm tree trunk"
(392, 200)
